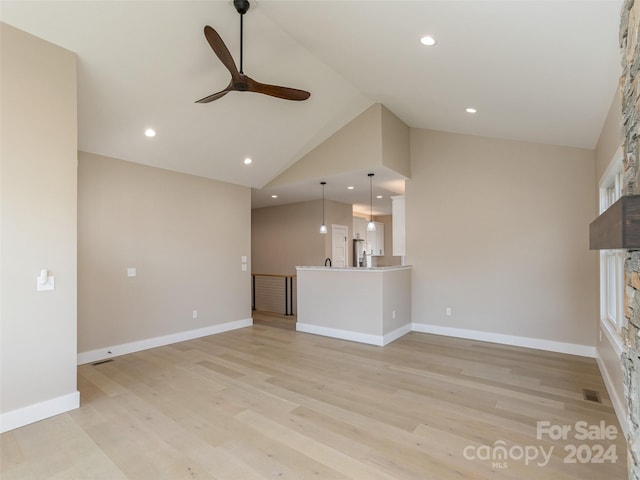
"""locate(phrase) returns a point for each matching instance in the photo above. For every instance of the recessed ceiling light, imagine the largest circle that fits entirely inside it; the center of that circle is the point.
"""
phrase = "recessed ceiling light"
(350, 187)
(470, 110)
(274, 196)
(247, 161)
(378, 196)
(428, 40)
(150, 132)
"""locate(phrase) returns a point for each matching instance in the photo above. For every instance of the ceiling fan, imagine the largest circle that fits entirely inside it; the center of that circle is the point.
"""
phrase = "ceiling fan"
(239, 81)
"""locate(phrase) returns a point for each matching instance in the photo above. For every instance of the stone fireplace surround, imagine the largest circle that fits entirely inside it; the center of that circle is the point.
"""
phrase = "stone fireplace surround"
(630, 92)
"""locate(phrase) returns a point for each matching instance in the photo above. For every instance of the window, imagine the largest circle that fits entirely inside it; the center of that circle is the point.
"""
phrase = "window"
(612, 261)
(612, 189)
(612, 296)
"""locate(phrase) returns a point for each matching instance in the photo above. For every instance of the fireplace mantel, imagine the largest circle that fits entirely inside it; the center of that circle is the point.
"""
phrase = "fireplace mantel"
(618, 226)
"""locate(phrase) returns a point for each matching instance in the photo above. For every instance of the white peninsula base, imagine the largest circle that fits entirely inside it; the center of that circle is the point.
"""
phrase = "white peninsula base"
(368, 305)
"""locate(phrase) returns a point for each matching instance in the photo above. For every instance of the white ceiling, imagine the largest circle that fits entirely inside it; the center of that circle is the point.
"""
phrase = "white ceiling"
(539, 71)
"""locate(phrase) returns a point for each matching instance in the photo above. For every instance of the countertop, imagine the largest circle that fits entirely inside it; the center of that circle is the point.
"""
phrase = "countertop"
(356, 269)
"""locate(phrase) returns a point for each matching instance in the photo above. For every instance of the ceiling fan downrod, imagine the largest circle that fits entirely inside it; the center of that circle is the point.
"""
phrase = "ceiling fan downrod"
(242, 7)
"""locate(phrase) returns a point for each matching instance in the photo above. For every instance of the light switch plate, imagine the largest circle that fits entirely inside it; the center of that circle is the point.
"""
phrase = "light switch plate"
(131, 272)
(243, 259)
(244, 267)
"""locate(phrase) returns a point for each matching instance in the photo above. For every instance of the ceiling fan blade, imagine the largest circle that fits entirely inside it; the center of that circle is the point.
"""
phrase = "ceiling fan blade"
(285, 93)
(215, 96)
(221, 50)
(239, 81)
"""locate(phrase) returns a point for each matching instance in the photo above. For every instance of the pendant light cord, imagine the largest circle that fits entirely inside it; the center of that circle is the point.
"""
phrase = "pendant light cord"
(371, 197)
(323, 227)
(323, 203)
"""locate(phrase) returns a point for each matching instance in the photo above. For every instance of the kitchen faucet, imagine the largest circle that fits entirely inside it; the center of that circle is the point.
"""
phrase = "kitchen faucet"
(327, 260)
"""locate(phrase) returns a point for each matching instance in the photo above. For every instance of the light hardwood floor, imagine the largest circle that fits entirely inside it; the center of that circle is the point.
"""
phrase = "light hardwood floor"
(288, 322)
(264, 402)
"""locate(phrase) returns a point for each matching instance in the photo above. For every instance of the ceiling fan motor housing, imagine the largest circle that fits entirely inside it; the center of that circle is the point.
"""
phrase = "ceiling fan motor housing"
(242, 86)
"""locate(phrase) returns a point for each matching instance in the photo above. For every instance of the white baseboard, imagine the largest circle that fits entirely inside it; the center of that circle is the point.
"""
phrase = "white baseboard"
(38, 411)
(341, 334)
(125, 348)
(537, 343)
(619, 405)
(396, 334)
(378, 340)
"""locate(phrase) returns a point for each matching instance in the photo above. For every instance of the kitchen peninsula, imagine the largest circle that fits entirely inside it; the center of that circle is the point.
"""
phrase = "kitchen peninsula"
(368, 305)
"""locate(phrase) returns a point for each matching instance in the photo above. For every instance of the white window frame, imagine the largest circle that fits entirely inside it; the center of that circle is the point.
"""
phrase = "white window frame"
(612, 284)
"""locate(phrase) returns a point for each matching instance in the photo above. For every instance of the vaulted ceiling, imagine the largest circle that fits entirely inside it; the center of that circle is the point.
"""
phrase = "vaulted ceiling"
(539, 71)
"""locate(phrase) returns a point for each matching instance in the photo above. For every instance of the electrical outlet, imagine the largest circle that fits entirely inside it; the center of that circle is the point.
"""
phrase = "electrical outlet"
(195, 314)
(448, 311)
(393, 314)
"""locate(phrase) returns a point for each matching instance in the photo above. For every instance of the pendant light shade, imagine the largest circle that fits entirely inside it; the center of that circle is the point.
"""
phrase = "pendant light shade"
(371, 227)
(323, 227)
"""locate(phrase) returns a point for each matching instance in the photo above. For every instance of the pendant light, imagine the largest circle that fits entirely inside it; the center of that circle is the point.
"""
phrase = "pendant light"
(371, 227)
(323, 227)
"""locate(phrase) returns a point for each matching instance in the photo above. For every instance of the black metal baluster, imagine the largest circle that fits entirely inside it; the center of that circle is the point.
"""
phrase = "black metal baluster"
(253, 292)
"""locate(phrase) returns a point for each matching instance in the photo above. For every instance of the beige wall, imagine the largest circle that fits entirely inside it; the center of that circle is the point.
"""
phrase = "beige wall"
(185, 235)
(375, 138)
(610, 137)
(498, 231)
(395, 143)
(356, 146)
(287, 236)
(348, 300)
(366, 304)
(396, 299)
(38, 148)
